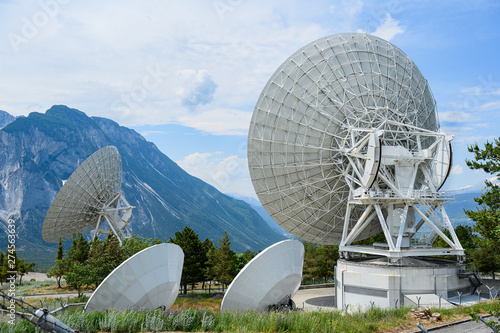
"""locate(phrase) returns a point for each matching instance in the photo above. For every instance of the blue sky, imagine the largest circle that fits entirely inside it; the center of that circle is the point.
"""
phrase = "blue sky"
(187, 74)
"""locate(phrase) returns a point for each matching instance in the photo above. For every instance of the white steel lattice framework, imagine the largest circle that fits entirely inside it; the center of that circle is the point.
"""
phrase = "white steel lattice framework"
(344, 143)
(90, 199)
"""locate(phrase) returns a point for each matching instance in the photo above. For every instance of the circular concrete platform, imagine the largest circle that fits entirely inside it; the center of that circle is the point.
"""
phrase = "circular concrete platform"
(328, 301)
(315, 299)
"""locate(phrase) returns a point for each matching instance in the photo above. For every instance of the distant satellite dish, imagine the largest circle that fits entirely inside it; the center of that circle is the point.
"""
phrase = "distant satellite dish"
(274, 274)
(147, 280)
(90, 199)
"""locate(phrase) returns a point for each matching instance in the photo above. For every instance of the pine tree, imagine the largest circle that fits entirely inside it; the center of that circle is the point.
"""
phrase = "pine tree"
(327, 259)
(211, 262)
(195, 257)
(3, 268)
(77, 276)
(135, 243)
(104, 257)
(60, 267)
(242, 259)
(23, 268)
(225, 261)
(79, 250)
(310, 268)
(487, 215)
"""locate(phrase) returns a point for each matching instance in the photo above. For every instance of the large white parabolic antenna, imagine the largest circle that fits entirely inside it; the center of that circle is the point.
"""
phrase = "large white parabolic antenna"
(147, 280)
(90, 199)
(344, 143)
(272, 275)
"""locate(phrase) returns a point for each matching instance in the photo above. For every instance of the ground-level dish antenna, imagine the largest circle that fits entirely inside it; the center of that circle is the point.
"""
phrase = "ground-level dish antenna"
(344, 143)
(269, 279)
(90, 199)
(148, 280)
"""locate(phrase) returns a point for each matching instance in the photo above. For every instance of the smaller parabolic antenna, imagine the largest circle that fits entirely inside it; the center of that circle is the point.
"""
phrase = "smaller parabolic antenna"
(147, 280)
(273, 275)
(90, 199)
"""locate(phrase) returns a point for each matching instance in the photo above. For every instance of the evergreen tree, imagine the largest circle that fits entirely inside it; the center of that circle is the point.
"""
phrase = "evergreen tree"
(77, 276)
(326, 261)
(225, 261)
(487, 215)
(195, 257)
(79, 250)
(23, 268)
(60, 267)
(211, 262)
(310, 268)
(104, 257)
(3, 267)
(135, 243)
(242, 259)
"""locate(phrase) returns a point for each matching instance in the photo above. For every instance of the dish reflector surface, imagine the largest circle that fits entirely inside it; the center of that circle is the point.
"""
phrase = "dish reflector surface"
(147, 280)
(273, 274)
(321, 101)
(81, 202)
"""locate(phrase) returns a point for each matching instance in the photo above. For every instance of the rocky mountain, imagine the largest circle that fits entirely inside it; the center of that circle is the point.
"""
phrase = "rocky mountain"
(257, 206)
(5, 119)
(39, 152)
(464, 200)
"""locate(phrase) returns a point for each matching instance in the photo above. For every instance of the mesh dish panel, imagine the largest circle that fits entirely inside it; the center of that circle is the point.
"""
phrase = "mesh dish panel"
(77, 205)
(301, 123)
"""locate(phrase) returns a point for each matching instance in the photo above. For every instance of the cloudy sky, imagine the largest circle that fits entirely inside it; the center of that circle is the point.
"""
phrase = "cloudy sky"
(187, 74)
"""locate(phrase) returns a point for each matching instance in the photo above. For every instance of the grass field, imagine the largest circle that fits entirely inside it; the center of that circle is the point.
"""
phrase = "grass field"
(201, 313)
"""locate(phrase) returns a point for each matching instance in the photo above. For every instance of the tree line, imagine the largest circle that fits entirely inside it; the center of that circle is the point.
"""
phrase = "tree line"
(9, 263)
(88, 263)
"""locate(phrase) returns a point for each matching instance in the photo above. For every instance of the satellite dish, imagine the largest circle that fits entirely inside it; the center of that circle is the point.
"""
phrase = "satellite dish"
(147, 280)
(344, 134)
(90, 199)
(273, 275)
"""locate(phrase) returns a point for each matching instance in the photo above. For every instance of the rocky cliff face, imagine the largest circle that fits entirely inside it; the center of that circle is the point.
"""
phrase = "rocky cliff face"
(5, 119)
(39, 152)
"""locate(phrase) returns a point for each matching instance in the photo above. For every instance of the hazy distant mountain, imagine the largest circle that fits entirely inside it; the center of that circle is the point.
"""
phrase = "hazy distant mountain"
(262, 212)
(5, 119)
(464, 200)
(476, 188)
(38, 152)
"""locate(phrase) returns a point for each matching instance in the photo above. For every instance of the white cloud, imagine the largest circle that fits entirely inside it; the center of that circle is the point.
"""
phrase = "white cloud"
(146, 133)
(346, 8)
(490, 106)
(477, 91)
(197, 87)
(389, 28)
(228, 174)
(455, 117)
(219, 121)
(99, 57)
(457, 170)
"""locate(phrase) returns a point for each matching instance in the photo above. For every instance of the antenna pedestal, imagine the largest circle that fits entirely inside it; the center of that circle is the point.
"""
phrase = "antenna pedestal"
(403, 198)
(401, 218)
(372, 281)
(114, 218)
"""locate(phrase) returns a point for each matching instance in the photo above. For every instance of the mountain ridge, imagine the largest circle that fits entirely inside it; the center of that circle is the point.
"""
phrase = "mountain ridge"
(42, 150)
